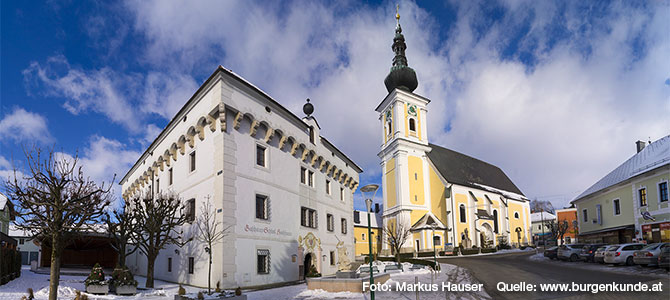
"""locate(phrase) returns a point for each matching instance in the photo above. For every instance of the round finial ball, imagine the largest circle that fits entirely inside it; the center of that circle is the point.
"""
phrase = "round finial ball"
(308, 108)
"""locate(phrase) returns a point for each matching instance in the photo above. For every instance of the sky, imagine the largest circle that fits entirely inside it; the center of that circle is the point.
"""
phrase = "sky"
(553, 92)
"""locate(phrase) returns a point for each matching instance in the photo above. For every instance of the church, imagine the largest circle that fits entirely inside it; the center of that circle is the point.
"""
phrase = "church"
(444, 198)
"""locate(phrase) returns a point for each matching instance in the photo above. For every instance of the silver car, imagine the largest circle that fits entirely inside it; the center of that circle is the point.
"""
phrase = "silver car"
(599, 256)
(622, 254)
(570, 252)
(649, 254)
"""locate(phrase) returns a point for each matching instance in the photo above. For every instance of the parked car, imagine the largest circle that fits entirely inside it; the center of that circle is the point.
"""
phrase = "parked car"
(622, 254)
(599, 256)
(588, 251)
(551, 252)
(649, 254)
(664, 258)
(569, 252)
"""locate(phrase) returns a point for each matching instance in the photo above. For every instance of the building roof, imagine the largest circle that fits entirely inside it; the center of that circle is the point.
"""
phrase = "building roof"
(263, 95)
(465, 170)
(3, 201)
(538, 216)
(656, 154)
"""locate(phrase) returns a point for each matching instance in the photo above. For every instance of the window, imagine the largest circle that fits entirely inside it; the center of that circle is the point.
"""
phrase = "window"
(21, 241)
(643, 196)
(495, 221)
(260, 156)
(190, 210)
(158, 185)
(617, 207)
(412, 125)
(192, 161)
(332, 258)
(516, 214)
(191, 265)
(310, 178)
(362, 236)
(330, 220)
(344, 225)
(436, 241)
(308, 217)
(261, 207)
(169, 264)
(303, 171)
(341, 194)
(586, 215)
(170, 176)
(663, 191)
(263, 261)
(328, 187)
(461, 210)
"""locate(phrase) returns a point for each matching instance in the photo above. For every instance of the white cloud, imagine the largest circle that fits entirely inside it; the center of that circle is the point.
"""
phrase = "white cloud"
(24, 126)
(151, 133)
(594, 83)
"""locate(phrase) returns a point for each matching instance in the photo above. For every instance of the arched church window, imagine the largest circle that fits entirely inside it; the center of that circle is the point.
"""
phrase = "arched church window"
(495, 221)
(412, 125)
(461, 209)
(516, 215)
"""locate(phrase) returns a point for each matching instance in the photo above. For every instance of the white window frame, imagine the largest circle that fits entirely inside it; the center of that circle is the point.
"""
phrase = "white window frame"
(646, 197)
(266, 207)
(409, 127)
(517, 215)
(266, 156)
(328, 189)
(658, 188)
(617, 200)
(342, 194)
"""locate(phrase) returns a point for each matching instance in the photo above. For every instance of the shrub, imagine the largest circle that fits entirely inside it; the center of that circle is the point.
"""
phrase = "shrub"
(488, 250)
(97, 276)
(181, 291)
(201, 296)
(313, 272)
(469, 251)
(124, 277)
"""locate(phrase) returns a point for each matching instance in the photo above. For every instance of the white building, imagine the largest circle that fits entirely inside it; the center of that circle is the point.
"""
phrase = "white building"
(540, 226)
(286, 189)
(26, 245)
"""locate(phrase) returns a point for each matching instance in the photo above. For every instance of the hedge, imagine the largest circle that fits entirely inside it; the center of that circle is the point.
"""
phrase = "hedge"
(11, 265)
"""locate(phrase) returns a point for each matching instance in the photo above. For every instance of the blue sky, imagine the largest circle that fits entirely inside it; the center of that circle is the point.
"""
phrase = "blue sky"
(555, 93)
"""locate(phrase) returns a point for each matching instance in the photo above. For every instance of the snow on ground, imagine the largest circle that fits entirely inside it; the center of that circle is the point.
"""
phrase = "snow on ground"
(16, 288)
(165, 290)
(636, 269)
(504, 251)
(449, 273)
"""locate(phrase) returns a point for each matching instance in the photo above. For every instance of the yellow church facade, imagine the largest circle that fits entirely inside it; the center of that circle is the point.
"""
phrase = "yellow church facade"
(444, 198)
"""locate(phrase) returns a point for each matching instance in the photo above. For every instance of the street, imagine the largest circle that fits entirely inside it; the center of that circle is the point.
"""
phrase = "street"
(514, 268)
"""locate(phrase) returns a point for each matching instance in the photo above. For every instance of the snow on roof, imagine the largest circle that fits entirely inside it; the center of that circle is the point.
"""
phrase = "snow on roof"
(506, 194)
(655, 155)
(375, 219)
(13, 231)
(539, 216)
(3, 201)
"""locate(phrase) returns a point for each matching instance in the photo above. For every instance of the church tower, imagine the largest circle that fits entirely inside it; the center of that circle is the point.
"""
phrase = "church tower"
(405, 166)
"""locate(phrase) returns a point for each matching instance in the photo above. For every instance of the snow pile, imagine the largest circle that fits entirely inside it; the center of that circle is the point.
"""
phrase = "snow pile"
(506, 194)
(538, 256)
(321, 294)
(63, 292)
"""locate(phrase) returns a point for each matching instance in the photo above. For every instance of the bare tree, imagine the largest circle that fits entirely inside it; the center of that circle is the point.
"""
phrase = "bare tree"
(160, 218)
(557, 229)
(122, 228)
(56, 203)
(209, 233)
(397, 234)
(541, 205)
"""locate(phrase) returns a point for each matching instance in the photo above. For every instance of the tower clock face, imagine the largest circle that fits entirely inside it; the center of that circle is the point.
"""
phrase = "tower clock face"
(388, 116)
(412, 110)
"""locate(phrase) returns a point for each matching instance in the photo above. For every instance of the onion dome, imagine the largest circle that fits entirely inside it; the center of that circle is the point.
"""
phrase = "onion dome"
(401, 76)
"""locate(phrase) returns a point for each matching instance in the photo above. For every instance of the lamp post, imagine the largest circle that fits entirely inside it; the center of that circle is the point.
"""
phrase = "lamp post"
(368, 192)
(434, 250)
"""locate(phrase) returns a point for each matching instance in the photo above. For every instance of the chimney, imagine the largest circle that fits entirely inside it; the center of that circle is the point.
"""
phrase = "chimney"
(376, 208)
(357, 216)
(640, 145)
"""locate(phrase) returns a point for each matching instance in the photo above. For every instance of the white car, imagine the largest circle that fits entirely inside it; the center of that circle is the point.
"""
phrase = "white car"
(569, 252)
(622, 254)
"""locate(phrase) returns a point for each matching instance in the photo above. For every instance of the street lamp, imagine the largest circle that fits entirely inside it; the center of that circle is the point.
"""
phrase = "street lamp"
(369, 192)
(434, 225)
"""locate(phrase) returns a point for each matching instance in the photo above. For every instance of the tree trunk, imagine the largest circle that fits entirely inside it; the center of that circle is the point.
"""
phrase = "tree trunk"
(54, 277)
(209, 273)
(150, 271)
(122, 256)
